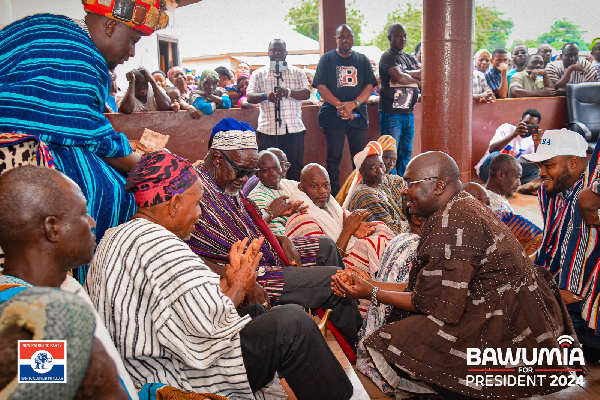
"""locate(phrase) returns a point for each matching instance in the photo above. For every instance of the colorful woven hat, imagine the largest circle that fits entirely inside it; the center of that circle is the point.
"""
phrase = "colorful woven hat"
(145, 16)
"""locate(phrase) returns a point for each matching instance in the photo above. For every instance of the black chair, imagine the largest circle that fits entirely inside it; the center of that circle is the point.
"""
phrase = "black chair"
(583, 111)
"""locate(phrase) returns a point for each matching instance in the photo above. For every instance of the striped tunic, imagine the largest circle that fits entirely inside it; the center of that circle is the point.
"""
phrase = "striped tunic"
(384, 203)
(263, 196)
(54, 84)
(166, 313)
(556, 70)
(570, 248)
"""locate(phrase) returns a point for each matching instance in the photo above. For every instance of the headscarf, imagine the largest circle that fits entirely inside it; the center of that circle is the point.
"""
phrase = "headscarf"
(145, 16)
(359, 158)
(231, 134)
(158, 176)
(246, 76)
(51, 314)
(207, 75)
(387, 143)
(170, 73)
(480, 52)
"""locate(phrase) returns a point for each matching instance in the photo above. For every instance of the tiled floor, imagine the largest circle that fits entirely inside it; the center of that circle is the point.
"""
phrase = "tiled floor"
(365, 389)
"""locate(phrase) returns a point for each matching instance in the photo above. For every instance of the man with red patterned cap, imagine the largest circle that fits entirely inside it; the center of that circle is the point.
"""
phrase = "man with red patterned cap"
(54, 84)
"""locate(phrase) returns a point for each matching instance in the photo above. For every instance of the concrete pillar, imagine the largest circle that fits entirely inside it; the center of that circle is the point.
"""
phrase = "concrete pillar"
(332, 13)
(6, 14)
(447, 79)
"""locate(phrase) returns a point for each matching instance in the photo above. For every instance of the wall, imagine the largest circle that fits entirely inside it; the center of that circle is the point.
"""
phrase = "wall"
(189, 138)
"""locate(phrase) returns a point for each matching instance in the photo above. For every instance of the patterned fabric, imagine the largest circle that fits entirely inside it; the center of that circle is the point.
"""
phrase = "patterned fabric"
(173, 325)
(249, 186)
(158, 176)
(224, 221)
(480, 84)
(475, 288)
(570, 249)
(499, 203)
(359, 158)
(17, 149)
(556, 70)
(526, 232)
(231, 134)
(51, 314)
(395, 266)
(364, 254)
(145, 16)
(387, 143)
(263, 196)
(384, 203)
(493, 78)
(263, 80)
(54, 84)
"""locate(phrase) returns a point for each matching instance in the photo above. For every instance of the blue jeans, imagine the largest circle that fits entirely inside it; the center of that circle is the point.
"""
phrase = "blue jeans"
(402, 128)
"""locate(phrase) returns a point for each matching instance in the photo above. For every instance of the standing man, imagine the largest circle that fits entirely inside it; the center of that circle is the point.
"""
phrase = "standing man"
(545, 50)
(345, 80)
(400, 75)
(289, 135)
(570, 249)
(571, 68)
(497, 77)
(54, 84)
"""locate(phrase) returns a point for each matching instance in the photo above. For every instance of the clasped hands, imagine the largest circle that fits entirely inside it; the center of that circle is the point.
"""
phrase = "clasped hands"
(352, 282)
(345, 110)
(240, 273)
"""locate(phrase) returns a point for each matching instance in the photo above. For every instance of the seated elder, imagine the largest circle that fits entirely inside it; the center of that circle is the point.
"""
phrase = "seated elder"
(470, 287)
(207, 99)
(270, 196)
(533, 81)
(361, 243)
(200, 342)
(228, 217)
(374, 190)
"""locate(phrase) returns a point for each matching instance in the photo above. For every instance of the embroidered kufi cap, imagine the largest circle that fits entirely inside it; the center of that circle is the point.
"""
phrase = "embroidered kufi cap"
(145, 16)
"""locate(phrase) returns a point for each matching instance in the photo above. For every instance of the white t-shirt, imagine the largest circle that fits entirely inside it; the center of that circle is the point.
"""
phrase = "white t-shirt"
(516, 147)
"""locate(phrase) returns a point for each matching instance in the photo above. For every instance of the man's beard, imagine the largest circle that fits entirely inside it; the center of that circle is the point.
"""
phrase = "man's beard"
(560, 183)
(232, 193)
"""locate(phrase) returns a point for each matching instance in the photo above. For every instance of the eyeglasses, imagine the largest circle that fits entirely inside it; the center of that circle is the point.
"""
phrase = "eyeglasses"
(408, 184)
(241, 172)
(285, 165)
(342, 37)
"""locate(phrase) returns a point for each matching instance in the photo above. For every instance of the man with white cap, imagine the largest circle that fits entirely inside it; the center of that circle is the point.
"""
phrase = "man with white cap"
(570, 248)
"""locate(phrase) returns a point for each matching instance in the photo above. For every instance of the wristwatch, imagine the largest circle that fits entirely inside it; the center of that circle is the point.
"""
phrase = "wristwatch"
(357, 102)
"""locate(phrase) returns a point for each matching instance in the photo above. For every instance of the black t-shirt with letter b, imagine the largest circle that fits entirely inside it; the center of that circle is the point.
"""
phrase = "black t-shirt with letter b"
(345, 77)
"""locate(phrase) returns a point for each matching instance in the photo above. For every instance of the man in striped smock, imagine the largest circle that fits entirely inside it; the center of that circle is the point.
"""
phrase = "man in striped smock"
(54, 84)
(227, 217)
(570, 248)
(175, 321)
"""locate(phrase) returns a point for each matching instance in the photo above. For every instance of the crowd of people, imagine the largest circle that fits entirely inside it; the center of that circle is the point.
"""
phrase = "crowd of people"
(175, 280)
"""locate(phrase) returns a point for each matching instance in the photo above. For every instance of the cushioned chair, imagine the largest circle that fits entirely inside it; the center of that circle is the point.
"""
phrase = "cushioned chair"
(583, 111)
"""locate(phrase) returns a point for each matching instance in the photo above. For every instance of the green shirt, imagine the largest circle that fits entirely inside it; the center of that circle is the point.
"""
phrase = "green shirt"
(524, 81)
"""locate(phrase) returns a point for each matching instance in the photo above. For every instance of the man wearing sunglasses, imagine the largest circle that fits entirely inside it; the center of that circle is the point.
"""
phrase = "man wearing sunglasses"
(228, 217)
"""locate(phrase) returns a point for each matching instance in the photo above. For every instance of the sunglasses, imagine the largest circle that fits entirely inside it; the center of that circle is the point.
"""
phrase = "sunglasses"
(241, 172)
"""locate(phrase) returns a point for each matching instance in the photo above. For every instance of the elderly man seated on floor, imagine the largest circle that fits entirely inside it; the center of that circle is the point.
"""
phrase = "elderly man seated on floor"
(375, 190)
(361, 243)
(471, 289)
(228, 217)
(177, 321)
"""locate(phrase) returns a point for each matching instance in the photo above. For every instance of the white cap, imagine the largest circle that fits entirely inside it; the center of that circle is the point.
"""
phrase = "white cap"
(556, 142)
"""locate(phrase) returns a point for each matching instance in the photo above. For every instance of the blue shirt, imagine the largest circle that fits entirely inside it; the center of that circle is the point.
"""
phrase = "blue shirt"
(493, 78)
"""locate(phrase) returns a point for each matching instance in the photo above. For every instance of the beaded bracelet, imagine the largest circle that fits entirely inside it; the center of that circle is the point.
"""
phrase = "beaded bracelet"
(374, 296)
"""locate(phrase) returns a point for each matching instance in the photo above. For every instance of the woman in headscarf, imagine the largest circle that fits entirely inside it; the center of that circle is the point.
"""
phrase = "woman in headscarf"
(208, 99)
(177, 76)
(482, 60)
(390, 155)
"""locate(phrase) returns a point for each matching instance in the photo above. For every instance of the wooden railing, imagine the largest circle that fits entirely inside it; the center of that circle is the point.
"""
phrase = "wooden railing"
(189, 138)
